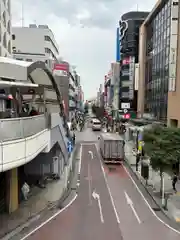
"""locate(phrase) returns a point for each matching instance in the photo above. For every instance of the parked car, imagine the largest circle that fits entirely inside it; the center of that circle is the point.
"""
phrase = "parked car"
(96, 125)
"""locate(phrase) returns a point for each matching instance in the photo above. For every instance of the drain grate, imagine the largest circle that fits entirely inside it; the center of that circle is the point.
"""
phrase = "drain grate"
(156, 209)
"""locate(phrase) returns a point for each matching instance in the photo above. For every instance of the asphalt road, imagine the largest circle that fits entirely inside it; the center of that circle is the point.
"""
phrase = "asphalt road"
(88, 217)
(116, 210)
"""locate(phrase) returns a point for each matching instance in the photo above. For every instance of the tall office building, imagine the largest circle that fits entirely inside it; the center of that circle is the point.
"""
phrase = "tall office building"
(41, 47)
(129, 44)
(159, 54)
(5, 29)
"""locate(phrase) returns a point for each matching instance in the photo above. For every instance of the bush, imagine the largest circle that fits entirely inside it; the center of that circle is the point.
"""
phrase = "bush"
(98, 111)
(162, 146)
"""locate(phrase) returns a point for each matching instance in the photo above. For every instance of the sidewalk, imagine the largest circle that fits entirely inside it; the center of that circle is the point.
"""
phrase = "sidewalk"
(153, 187)
(39, 201)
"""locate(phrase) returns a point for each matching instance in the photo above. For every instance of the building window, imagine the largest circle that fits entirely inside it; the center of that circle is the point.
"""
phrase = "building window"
(13, 36)
(4, 19)
(5, 40)
(125, 94)
(9, 46)
(47, 38)
(20, 59)
(9, 27)
(8, 6)
(125, 83)
(29, 60)
(157, 67)
(47, 50)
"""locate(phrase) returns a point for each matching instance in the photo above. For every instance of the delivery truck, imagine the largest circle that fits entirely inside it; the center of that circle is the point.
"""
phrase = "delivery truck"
(111, 148)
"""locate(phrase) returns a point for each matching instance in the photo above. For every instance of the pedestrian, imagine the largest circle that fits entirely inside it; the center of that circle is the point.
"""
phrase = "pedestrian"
(138, 157)
(33, 112)
(74, 139)
(174, 181)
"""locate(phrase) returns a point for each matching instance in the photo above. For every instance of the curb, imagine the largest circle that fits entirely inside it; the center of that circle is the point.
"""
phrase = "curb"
(68, 190)
(149, 193)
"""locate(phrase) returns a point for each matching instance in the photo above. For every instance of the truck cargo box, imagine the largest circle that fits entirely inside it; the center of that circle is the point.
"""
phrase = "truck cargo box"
(111, 147)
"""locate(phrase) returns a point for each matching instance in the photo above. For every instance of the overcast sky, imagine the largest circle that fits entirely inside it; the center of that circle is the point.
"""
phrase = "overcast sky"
(84, 29)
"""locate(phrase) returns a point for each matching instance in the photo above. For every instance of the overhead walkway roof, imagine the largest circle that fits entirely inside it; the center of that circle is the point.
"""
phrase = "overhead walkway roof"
(32, 72)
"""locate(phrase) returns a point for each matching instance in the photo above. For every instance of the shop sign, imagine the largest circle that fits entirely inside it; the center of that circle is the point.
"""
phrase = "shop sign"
(131, 77)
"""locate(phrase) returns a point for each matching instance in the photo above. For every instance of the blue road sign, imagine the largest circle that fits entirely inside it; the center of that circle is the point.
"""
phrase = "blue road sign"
(69, 146)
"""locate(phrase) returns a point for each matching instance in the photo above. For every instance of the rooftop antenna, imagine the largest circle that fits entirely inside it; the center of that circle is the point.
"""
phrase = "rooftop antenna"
(137, 8)
(22, 9)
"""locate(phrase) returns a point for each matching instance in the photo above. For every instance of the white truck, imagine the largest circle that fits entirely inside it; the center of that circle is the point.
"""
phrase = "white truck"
(111, 148)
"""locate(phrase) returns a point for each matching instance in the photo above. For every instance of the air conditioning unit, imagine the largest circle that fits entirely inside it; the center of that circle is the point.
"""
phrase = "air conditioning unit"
(32, 26)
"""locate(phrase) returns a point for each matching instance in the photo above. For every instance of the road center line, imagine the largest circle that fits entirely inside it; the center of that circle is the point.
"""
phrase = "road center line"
(89, 181)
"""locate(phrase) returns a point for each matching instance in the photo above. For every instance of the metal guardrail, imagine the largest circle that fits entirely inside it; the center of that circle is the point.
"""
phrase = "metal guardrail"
(17, 128)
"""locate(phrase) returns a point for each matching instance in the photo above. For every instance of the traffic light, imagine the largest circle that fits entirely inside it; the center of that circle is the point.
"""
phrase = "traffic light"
(126, 116)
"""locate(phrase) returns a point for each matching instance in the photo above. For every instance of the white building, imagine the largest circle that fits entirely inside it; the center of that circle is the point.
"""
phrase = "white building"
(35, 43)
(5, 28)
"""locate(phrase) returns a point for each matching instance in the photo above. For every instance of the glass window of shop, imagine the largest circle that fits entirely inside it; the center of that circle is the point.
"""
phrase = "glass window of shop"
(157, 64)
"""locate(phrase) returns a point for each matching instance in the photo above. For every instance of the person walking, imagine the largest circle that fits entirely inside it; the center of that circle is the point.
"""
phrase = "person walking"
(174, 181)
(138, 157)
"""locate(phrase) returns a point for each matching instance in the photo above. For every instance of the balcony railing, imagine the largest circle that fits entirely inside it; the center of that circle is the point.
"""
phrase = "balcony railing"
(18, 128)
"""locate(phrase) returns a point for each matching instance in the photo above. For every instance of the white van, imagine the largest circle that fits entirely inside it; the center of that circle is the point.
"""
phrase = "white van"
(96, 125)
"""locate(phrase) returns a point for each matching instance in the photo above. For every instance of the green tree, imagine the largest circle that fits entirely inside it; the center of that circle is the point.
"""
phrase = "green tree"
(86, 107)
(162, 146)
(98, 111)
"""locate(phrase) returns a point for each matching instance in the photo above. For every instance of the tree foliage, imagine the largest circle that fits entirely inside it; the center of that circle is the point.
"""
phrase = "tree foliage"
(86, 107)
(98, 111)
(162, 145)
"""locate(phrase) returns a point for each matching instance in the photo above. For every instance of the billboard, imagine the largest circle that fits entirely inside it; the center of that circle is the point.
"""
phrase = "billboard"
(131, 77)
(61, 69)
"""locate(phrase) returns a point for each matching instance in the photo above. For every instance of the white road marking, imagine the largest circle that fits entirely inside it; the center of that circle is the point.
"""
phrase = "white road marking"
(130, 203)
(49, 219)
(89, 181)
(91, 153)
(60, 211)
(80, 153)
(112, 201)
(165, 224)
(96, 196)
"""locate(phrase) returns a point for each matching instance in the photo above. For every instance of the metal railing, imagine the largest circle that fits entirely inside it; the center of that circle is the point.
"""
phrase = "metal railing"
(57, 122)
(17, 128)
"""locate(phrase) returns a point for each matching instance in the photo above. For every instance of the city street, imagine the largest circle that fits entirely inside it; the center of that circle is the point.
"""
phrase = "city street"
(108, 206)
(91, 216)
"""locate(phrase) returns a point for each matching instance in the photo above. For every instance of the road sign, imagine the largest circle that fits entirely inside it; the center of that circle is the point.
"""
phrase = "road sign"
(125, 110)
(69, 146)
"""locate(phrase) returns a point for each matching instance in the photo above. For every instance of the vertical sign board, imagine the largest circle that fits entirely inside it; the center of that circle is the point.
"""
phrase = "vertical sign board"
(117, 45)
(173, 45)
(131, 77)
(123, 27)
